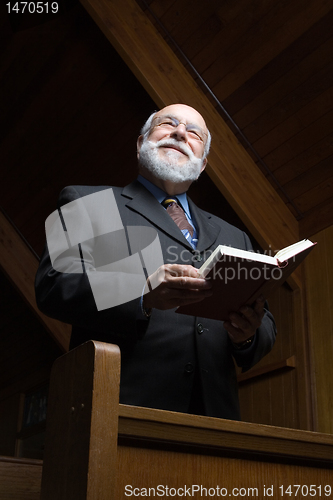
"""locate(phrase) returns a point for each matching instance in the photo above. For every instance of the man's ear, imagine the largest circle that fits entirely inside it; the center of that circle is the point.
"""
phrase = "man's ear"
(204, 163)
(138, 145)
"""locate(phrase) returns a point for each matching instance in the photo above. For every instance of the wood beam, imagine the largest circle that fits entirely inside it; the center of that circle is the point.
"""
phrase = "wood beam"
(20, 265)
(167, 81)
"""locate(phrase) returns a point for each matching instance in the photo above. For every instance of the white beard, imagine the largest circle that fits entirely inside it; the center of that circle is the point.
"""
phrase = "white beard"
(168, 169)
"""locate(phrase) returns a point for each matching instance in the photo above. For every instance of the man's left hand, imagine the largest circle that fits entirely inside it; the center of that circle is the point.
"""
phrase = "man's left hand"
(242, 325)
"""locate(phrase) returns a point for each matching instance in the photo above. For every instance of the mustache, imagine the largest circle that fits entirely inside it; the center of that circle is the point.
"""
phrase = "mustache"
(175, 144)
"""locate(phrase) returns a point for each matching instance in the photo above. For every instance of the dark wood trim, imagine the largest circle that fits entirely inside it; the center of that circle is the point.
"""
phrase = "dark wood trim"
(285, 364)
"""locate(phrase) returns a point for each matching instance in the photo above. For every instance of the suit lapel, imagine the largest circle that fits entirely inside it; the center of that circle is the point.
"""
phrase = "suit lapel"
(143, 202)
(207, 229)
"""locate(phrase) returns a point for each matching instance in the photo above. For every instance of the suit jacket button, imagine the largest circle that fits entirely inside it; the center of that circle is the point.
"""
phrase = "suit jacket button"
(200, 328)
(197, 258)
(189, 368)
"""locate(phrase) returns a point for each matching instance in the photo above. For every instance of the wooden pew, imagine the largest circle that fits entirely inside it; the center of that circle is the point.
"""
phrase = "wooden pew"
(20, 478)
(99, 450)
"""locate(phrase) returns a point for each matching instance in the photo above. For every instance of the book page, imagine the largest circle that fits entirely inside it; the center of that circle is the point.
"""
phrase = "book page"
(292, 250)
(224, 252)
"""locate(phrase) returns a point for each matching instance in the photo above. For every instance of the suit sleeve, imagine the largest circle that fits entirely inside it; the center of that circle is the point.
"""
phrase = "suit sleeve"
(263, 343)
(67, 296)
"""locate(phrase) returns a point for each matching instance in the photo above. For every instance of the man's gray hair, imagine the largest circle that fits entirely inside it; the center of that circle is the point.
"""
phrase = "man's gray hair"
(147, 127)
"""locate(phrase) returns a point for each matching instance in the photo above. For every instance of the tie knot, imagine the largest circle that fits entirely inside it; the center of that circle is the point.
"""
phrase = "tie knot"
(169, 201)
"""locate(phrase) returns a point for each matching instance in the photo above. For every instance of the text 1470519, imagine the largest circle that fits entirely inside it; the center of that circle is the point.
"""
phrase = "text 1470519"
(32, 7)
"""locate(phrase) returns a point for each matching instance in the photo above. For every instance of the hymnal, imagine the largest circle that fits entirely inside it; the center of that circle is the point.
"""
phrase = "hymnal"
(240, 276)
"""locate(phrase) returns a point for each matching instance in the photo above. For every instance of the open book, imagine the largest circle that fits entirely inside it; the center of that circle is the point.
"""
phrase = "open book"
(239, 277)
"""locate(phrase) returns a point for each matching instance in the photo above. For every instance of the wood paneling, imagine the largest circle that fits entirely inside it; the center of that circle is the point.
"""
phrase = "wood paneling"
(282, 106)
(319, 294)
(71, 117)
(20, 265)
(211, 476)
(270, 65)
(27, 352)
(9, 412)
(20, 479)
(156, 447)
(280, 396)
(178, 451)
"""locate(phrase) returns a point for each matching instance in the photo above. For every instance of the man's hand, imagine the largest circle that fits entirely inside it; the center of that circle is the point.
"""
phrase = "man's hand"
(243, 324)
(174, 285)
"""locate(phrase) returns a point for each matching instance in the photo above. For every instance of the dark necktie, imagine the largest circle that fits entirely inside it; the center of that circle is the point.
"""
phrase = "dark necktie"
(177, 214)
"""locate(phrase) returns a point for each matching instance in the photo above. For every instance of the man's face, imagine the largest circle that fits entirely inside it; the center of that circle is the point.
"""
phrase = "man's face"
(175, 144)
(183, 125)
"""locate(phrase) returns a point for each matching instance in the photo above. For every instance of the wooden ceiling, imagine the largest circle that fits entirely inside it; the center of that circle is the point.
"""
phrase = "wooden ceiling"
(67, 99)
(268, 68)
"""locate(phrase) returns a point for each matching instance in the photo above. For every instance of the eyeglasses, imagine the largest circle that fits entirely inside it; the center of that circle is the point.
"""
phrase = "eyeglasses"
(170, 123)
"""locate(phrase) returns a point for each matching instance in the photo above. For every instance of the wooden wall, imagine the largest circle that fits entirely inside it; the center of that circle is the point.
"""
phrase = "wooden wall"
(299, 395)
(319, 299)
(276, 391)
(65, 90)
(27, 353)
(71, 114)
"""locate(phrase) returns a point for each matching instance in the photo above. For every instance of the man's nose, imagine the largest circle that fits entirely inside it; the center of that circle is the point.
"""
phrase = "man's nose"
(179, 132)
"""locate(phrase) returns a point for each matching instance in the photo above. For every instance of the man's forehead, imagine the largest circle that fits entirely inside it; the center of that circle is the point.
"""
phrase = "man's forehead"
(183, 112)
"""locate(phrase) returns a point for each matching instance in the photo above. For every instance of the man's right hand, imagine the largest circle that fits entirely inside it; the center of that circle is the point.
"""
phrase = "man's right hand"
(174, 285)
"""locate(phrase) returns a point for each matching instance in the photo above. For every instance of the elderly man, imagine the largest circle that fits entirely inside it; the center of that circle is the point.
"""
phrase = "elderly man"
(168, 360)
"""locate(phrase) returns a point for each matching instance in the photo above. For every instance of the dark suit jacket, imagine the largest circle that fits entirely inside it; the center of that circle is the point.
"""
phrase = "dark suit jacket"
(159, 355)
